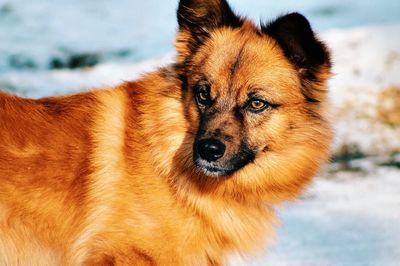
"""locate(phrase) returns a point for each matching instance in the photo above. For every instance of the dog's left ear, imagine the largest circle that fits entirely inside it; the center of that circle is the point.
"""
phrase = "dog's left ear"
(294, 34)
(300, 45)
(198, 18)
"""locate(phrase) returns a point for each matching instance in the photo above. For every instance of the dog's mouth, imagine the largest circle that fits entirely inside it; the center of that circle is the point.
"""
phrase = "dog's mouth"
(212, 169)
(223, 168)
(210, 156)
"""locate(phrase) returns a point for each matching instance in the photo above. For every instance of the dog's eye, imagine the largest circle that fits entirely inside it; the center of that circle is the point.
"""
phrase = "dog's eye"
(203, 94)
(257, 105)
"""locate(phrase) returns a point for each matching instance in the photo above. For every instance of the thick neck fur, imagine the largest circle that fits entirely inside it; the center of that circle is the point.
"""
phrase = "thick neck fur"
(231, 220)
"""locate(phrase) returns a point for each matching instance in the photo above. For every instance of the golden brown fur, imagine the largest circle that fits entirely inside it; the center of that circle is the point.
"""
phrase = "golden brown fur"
(107, 177)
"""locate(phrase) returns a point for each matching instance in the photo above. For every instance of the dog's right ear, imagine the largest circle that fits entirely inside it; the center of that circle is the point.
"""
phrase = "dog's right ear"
(198, 18)
(309, 55)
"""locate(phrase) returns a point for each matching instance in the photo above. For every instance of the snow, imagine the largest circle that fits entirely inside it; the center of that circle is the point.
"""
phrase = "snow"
(349, 219)
(351, 213)
(59, 29)
(41, 83)
(34, 33)
(366, 61)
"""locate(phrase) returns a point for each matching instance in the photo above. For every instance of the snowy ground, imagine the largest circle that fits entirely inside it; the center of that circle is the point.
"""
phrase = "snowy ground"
(346, 218)
(351, 214)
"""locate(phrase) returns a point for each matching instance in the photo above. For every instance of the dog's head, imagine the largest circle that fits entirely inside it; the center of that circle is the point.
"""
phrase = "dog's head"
(254, 94)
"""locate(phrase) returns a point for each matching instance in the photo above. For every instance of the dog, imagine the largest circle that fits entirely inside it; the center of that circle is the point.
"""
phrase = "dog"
(183, 166)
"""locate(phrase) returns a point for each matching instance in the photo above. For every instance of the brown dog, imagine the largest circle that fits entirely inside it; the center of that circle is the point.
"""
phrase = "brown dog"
(181, 167)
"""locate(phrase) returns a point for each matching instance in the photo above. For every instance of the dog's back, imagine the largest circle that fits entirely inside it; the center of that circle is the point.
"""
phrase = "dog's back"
(32, 132)
(44, 151)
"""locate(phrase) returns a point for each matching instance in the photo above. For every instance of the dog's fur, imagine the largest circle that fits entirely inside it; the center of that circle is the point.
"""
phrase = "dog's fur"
(113, 176)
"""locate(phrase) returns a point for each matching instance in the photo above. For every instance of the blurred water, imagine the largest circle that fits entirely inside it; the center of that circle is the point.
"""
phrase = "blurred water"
(39, 34)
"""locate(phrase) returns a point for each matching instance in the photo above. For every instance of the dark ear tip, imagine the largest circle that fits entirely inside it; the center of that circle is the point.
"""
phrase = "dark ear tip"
(296, 15)
(184, 10)
(295, 19)
(181, 11)
(294, 22)
(202, 15)
(294, 34)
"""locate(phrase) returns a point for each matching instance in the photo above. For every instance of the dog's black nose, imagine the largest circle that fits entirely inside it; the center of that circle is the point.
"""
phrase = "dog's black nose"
(210, 149)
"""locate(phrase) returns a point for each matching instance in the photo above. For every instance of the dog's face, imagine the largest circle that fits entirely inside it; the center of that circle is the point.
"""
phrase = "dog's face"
(250, 92)
(240, 97)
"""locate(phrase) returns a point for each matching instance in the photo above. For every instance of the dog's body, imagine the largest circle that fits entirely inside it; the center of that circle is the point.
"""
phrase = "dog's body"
(181, 167)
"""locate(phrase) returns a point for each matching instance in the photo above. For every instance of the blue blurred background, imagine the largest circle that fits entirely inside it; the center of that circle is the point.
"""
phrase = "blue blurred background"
(45, 34)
